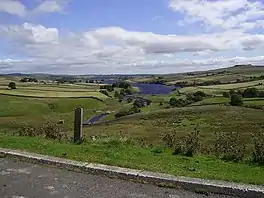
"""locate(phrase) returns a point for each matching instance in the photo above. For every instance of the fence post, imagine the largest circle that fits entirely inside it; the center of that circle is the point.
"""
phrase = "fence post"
(78, 122)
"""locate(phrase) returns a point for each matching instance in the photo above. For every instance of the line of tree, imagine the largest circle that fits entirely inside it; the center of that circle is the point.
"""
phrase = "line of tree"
(251, 92)
(190, 98)
(26, 79)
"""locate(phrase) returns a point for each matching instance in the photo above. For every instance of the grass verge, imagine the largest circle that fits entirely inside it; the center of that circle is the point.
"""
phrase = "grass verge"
(131, 155)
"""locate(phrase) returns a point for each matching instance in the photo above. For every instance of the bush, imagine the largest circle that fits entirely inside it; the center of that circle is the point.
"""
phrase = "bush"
(51, 131)
(186, 146)
(236, 100)
(12, 85)
(178, 102)
(194, 98)
(131, 111)
(200, 93)
(258, 148)
(48, 130)
(226, 94)
(229, 146)
(28, 131)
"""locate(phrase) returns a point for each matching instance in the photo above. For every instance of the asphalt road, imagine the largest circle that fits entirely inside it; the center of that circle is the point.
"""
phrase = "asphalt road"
(23, 180)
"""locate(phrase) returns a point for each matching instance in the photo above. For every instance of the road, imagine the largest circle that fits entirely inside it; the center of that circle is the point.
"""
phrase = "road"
(24, 180)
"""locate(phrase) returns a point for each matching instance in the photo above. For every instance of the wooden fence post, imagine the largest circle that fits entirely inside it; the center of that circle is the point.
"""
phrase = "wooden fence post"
(78, 124)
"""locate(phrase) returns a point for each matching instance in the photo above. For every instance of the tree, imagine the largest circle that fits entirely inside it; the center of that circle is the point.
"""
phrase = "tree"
(129, 100)
(173, 101)
(12, 85)
(117, 94)
(236, 100)
(231, 92)
(250, 92)
(226, 94)
(139, 103)
(200, 93)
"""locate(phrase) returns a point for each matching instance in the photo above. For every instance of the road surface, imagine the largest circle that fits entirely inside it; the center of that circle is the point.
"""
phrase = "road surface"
(23, 180)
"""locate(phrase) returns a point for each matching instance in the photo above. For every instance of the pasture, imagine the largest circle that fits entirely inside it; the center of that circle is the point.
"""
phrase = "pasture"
(51, 90)
(134, 141)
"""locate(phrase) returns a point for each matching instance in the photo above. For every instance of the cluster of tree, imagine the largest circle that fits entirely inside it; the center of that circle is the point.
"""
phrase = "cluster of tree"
(190, 98)
(131, 111)
(251, 92)
(121, 84)
(12, 85)
(94, 81)
(138, 103)
(28, 80)
(142, 103)
(127, 91)
(109, 88)
(66, 80)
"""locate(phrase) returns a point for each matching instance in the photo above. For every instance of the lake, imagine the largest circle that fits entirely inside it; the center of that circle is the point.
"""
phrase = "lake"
(147, 89)
(153, 89)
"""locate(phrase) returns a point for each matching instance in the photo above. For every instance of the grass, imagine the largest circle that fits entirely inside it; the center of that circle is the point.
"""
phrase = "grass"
(234, 86)
(114, 152)
(152, 125)
(15, 111)
(211, 101)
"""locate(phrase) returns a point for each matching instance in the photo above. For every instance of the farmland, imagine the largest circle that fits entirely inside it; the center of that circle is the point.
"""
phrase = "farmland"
(140, 136)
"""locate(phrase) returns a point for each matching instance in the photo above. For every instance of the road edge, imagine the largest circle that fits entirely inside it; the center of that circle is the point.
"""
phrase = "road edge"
(159, 179)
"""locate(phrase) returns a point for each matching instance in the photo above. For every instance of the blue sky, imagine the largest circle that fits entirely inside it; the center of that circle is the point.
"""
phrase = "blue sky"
(123, 36)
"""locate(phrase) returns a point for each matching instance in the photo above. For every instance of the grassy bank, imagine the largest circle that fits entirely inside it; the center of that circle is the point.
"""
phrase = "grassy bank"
(129, 154)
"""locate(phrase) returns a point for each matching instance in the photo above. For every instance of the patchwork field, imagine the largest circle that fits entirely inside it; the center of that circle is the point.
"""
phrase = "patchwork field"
(137, 140)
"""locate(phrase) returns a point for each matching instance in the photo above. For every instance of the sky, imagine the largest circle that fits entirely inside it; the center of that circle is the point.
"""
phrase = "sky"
(129, 36)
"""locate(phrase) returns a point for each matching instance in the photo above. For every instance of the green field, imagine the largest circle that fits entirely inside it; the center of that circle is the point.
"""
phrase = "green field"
(52, 94)
(136, 141)
(52, 90)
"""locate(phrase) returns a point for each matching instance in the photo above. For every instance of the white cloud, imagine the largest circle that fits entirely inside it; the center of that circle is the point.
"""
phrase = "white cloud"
(221, 14)
(49, 6)
(16, 7)
(116, 49)
(29, 33)
(231, 24)
(13, 7)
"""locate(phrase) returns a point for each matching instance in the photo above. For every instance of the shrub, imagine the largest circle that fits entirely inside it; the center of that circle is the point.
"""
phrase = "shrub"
(48, 130)
(12, 85)
(131, 111)
(226, 94)
(28, 131)
(258, 148)
(200, 93)
(236, 100)
(186, 146)
(51, 131)
(229, 146)
(192, 143)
